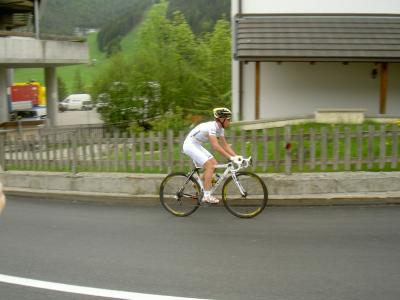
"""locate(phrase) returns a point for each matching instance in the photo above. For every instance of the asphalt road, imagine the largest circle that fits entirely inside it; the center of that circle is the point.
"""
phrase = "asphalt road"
(78, 117)
(297, 253)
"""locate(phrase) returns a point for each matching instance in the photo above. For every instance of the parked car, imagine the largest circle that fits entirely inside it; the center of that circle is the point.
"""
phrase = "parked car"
(75, 101)
(87, 105)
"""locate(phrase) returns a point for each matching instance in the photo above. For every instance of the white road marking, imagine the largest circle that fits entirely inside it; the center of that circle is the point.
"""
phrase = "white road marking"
(83, 290)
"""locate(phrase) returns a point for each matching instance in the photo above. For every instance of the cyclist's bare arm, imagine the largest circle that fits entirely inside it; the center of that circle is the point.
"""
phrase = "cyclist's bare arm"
(226, 146)
(227, 152)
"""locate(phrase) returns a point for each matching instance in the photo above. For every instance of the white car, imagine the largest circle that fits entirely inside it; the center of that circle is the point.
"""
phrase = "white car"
(76, 102)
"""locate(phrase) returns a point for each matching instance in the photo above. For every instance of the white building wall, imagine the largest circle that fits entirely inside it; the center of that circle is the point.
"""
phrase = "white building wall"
(249, 90)
(289, 89)
(318, 6)
(393, 104)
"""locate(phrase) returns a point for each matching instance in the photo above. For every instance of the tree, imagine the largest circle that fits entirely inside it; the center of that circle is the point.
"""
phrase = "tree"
(111, 34)
(167, 55)
(79, 86)
(62, 89)
(201, 14)
(169, 71)
(111, 83)
(218, 70)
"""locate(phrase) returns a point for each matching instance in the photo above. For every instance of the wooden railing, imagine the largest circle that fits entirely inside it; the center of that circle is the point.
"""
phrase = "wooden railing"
(288, 149)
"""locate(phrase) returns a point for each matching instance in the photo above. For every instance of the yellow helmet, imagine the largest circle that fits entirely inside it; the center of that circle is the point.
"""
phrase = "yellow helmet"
(222, 112)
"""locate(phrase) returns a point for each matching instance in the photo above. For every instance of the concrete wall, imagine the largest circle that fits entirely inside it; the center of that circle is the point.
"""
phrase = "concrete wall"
(144, 186)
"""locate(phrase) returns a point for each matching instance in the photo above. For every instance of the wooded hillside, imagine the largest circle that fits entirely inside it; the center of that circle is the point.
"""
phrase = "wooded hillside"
(116, 18)
(62, 17)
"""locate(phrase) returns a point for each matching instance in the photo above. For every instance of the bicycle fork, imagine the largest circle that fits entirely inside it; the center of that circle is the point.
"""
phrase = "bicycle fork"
(239, 185)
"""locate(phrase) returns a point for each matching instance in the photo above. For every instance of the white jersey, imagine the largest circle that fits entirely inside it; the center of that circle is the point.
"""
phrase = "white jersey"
(201, 132)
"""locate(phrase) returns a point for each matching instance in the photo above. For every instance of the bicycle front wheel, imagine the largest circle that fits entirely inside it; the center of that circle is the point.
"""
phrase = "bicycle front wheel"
(179, 195)
(245, 197)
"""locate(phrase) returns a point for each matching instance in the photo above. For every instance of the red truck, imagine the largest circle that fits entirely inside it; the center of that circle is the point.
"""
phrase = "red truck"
(27, 95)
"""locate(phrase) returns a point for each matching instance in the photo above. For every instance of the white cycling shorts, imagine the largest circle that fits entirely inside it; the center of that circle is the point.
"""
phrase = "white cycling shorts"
(196, 152)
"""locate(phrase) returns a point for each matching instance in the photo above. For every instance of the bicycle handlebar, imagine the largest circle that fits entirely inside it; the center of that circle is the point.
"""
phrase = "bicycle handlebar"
(246, 162)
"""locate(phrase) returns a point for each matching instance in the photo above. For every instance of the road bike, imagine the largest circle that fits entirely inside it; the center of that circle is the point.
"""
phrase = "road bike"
(244, 194)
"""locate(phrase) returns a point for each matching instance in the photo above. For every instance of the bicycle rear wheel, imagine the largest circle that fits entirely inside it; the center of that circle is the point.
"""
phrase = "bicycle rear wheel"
(249, 203)
(179, 195)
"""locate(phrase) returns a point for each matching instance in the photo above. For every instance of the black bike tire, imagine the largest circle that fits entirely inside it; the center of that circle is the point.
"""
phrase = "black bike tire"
(162, 199)
(238, 214)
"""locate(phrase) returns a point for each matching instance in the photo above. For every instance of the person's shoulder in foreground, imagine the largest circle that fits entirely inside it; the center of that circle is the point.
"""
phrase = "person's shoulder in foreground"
(2, 198)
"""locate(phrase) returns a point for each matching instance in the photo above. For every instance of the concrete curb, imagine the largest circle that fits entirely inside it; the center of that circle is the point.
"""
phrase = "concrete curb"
(274, 200)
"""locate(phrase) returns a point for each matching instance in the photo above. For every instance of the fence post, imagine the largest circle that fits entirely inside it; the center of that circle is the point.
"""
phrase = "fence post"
(170, 153)
(277, 150)
(336, 156)
(347, 149)
(151, 148)
(254, 149)
(382, 147)
(324, 148)
(371, 136)
(288, 150)
(300, 150)
(395, 149)
(312, 149)
(160, 150)
(265, 147)
(2, 152)
(74, 167)
(359, 148)
(133, 152)
(142, 151)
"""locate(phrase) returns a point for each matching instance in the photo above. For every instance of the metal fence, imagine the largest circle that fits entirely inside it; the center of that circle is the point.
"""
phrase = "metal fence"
(287, 149)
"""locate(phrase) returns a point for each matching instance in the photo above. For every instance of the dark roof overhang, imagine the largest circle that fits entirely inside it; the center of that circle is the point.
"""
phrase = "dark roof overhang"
(17, 6)
(346, 38)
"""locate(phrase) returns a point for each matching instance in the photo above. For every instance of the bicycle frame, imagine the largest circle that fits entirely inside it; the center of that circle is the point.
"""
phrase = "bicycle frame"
(229, 169)
(182, 199)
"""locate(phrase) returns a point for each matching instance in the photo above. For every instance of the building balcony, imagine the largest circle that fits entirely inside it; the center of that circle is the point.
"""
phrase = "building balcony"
(24, 51)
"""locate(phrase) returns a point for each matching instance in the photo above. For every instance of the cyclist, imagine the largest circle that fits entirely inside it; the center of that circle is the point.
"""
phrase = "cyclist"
(2, 198)
(213, 132)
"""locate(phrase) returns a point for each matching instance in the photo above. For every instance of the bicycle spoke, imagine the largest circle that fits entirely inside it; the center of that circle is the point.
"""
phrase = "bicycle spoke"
(249, 204)
(178, 195)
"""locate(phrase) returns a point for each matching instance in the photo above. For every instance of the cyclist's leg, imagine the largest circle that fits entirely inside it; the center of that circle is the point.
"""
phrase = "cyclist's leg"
(204, 159)
(209, 168)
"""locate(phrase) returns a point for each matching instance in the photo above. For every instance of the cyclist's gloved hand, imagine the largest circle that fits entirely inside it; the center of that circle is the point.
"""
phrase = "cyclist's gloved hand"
(237, 159)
